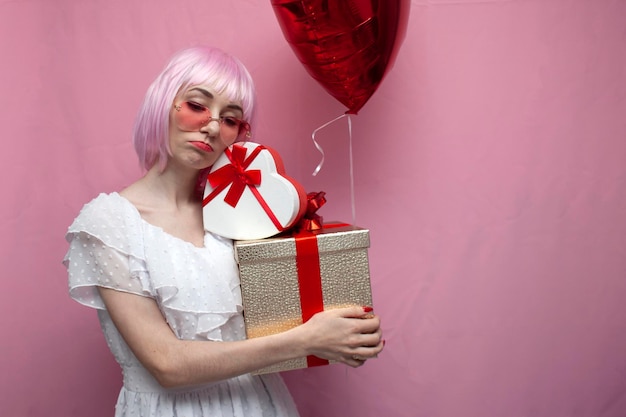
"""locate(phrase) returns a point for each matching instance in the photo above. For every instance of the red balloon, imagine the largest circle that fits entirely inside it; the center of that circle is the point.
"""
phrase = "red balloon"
(348, 46)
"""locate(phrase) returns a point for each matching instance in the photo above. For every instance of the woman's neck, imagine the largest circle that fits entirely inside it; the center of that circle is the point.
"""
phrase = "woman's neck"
(173, 185)
(170, 201)
(166, 188)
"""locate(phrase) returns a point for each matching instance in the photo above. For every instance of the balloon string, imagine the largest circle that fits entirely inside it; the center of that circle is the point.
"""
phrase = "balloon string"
(317, 145)
(352, 198)
(321, 151)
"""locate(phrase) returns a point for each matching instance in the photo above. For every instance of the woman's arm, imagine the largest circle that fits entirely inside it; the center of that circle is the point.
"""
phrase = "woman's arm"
(334, 335)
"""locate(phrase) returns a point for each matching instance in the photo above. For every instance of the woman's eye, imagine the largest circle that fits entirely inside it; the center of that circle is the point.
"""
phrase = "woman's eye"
(196, 107)
(231, 121)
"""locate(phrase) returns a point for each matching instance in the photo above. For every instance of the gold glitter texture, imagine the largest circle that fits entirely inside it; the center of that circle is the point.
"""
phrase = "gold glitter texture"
(269, 280)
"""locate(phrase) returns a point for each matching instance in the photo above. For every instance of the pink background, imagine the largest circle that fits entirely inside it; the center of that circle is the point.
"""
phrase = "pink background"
(490, 167)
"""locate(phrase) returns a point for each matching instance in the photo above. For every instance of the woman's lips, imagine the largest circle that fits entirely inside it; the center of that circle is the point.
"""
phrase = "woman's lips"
(203, 146)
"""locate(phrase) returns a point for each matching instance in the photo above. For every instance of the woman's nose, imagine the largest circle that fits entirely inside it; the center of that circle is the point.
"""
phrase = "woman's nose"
(212, 127)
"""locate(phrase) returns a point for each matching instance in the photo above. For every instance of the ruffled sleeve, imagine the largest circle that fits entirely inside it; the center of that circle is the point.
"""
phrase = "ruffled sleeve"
(196, 288)
(106, 250)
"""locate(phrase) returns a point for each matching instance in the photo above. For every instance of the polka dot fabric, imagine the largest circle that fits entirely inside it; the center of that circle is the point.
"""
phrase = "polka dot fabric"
(197, 291)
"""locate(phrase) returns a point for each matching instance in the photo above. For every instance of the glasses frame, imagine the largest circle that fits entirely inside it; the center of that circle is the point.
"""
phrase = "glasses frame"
(243, 126)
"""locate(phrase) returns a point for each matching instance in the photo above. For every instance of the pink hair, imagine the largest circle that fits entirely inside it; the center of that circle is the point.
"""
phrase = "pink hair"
(189, 67)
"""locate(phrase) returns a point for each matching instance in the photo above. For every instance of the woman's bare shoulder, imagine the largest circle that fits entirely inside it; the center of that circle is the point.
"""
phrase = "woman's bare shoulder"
(139, 195)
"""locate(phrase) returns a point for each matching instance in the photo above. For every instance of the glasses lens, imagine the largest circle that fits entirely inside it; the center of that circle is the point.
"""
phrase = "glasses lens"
(229, 127)
(232, 128)
(191, 117)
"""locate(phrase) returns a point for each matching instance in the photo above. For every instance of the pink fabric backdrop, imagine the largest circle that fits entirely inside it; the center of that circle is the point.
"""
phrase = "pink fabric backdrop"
(490, 168)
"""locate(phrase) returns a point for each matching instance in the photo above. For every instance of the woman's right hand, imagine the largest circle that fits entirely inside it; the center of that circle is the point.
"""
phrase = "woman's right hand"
(349, 335)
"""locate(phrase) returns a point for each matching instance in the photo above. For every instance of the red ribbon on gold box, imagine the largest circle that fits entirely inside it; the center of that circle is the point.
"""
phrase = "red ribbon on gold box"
(286, 280)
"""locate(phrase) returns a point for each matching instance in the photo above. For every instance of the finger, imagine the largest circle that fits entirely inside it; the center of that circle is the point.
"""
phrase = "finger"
(355, 361)
(365, 353)
(369, 325)
(353, 311)
(366, 339)
(372, 340)
(368, 351)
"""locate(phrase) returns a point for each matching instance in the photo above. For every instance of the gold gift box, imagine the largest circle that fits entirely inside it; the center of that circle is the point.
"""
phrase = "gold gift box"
(270, 283)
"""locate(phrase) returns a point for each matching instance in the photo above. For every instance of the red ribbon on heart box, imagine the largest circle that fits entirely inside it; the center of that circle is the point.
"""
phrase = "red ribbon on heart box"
(248, 194)
(285, 280)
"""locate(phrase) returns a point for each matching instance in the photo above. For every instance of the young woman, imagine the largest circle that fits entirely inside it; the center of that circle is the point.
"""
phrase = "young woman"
(167, 291)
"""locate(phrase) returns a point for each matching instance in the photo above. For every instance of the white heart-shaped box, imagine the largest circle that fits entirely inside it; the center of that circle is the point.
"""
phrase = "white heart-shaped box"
(269, 202)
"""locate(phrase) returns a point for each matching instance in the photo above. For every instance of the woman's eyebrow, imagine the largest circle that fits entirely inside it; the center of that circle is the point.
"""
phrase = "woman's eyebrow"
(203, 91)
(209, 95)
(235, 107)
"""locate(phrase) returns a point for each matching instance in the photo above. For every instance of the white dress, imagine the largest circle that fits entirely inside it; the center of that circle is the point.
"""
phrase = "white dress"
(197, 291)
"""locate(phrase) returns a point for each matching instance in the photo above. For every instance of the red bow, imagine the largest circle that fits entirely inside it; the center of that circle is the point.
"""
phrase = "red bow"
(311, 220)
(236, 174)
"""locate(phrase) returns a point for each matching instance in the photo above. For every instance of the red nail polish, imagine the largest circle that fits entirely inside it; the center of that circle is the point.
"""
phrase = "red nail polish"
(384, 341)
(367, 309)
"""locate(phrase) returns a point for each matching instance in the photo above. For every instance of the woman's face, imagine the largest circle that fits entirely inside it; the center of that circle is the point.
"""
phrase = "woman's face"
(202, 124)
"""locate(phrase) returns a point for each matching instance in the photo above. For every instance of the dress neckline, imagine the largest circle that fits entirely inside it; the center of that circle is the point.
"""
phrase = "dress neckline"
(158, 228)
